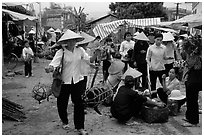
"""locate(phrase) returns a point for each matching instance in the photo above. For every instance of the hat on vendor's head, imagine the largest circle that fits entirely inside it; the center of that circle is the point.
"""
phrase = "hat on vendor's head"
(116, 67)
(176, 95)
(31, 32)
(87, 38)
(167, 36)
(129, 80)
(136, 33)
(184, 35)
(141, 36)
(70, 35)
(40, 43)
(132, 72)
(57, 31)
(51, 30)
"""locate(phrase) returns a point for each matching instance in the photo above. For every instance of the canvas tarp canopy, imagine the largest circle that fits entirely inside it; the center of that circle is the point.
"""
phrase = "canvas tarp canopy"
(165, 29)
(18, 16)
(193, 20)
(104, 29)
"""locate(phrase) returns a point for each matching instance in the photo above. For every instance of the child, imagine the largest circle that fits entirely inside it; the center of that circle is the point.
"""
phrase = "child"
(27, 56)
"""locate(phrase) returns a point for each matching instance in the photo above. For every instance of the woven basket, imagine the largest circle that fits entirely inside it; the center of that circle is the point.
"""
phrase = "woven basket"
(155, 114)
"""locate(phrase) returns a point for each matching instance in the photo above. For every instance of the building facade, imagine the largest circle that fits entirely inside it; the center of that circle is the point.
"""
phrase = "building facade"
(197, 7)
(172, 13)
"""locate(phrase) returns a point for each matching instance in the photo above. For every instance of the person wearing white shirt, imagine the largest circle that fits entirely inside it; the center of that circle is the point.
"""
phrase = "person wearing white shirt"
(28, 55)
(125, 47)
(72, 80)
(156, 58)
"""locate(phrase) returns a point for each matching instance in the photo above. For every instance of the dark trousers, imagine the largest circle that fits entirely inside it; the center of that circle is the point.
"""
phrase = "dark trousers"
(126, 65)
(192, 112)
(164, 98)
(84, 82)
(153, 78)
(106, 65)
(62, 102)
(143, 69)
(28, 68)
(167, 68)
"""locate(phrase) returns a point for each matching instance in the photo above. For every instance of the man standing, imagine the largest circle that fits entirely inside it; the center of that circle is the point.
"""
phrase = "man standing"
(155, 58)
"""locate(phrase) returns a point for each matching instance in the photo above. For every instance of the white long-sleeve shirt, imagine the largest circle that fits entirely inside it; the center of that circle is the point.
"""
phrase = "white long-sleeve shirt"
(125, 46)
(170, 53)
(71, 64)
(155, 57)
(27, 52)
(85, 65)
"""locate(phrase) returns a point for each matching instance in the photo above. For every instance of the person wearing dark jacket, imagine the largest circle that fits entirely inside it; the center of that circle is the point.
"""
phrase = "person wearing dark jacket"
(128, 103)
(139, 56)
(193, 83)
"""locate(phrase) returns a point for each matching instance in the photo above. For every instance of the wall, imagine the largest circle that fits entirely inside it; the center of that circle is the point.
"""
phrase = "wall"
(197, 7)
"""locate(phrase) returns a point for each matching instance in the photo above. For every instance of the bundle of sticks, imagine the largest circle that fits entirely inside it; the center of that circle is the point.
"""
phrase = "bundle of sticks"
(12, 111)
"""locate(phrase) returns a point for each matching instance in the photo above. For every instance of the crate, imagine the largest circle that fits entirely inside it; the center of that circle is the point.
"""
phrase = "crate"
(154, 114)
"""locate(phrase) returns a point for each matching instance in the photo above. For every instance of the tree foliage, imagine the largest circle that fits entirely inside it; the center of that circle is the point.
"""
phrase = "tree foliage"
(76, 21)
(135, 10)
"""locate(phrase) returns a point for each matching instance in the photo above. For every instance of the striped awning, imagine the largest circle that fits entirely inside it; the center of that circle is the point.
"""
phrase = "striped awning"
(104, 29)
(18, 16)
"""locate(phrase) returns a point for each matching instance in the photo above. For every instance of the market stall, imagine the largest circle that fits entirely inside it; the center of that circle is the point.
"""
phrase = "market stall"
(103, 30)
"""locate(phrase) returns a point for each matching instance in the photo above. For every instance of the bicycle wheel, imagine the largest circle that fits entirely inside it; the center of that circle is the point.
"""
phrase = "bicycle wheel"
(12, 61)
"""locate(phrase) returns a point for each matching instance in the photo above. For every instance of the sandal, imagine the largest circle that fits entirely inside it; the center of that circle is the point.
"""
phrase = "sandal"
(65, 126)
(82, 132)
(190, 125)
(131, 123)
(184, 119)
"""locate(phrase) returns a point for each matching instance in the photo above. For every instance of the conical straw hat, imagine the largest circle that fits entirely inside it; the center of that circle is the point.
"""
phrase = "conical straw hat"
(136, 33)
(176, 95)
(184, 35)
(167, 36)
(31, 32)
(132, 72)
(58, 31)
(68, 35)
(141, 36)
(51, 30)
(116, 67)
(87, 38)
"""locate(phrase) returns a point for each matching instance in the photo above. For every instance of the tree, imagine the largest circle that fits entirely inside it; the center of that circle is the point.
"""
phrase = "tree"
(136, 10)
(80, 18)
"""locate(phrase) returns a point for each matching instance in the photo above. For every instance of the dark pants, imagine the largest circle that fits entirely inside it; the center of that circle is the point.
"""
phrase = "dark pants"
(167, 68)
(192, 112)
(153, 78)
(106, 65)
(164, 98)
(62, 102)
(143, 69)
(126, 65)
(28, 68)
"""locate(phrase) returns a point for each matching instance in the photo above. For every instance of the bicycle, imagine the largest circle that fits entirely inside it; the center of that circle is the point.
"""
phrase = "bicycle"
(11, 61)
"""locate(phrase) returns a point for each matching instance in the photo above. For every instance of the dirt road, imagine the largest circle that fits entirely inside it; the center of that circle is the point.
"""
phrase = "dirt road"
(42, 119)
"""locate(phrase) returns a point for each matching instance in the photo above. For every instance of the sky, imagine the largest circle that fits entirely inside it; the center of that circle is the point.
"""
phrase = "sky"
(96, 9)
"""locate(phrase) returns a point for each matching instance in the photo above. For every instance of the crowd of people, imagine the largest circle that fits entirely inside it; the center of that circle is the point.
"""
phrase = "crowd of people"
(154, 54)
